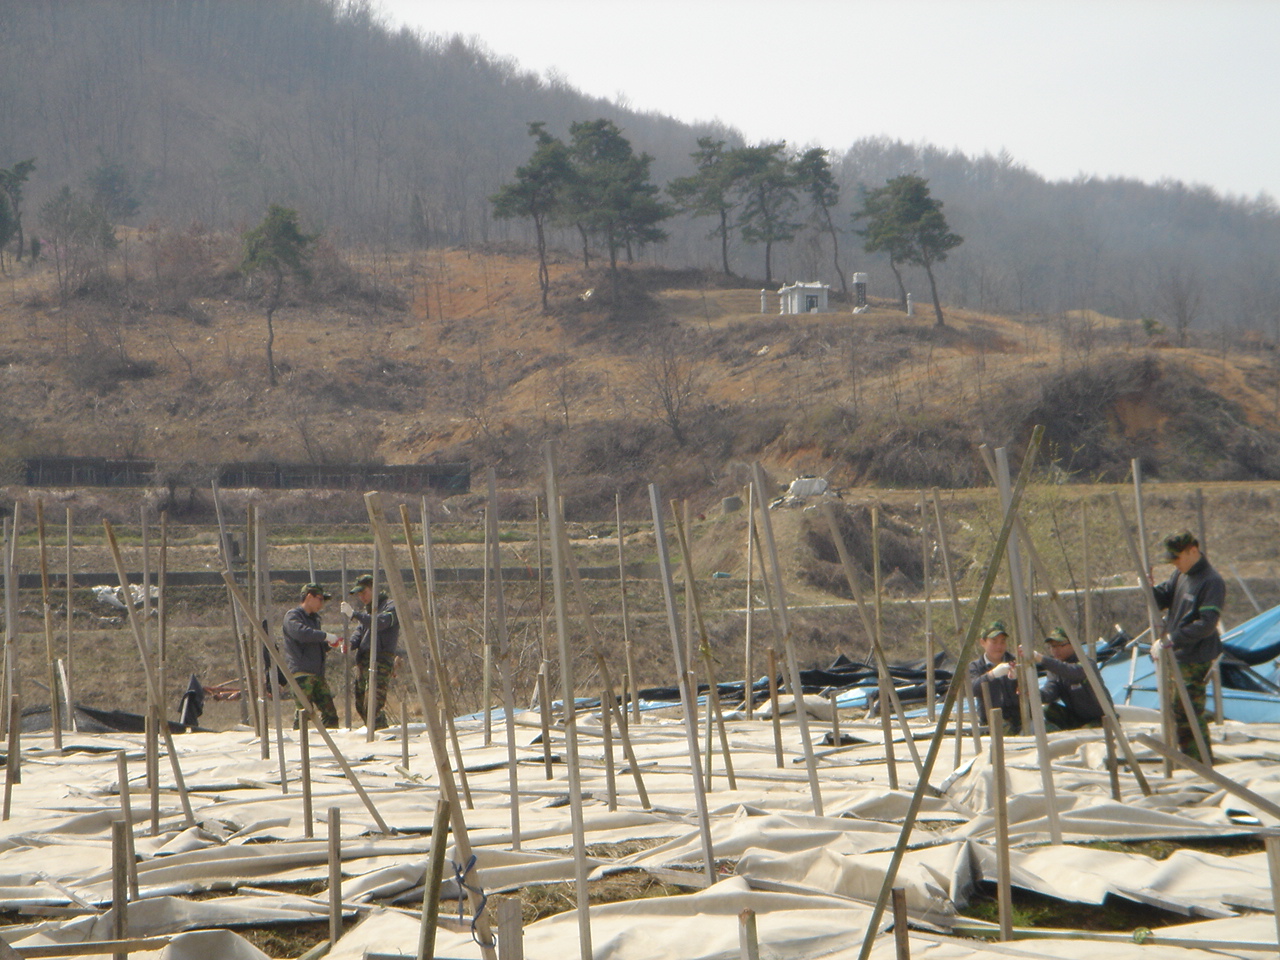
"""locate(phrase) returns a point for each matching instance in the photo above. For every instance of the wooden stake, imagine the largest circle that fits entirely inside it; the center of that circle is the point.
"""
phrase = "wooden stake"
(371, 668)
(71, 579)
(901, 926)
(55, 707)
(606, 729)
(930, 693)
(1272, 845)
(793, 668)
(162, 611)
(13, 763)
(335, 875)
(959, 722)
(999, 790)
(748, 938)
(953, 691)
(151, 751)
(626, 620)
(1113, 765)
(555, 508)
(882, 664)
(486, 646)
(748, 668)
(432, 880)
(506, 662)
(775, 708)
(304, 745)
(126, 811)
(119, 885)
(404, 732)
(152, 695)
(687, 695)
(544, 712)
(422, 580)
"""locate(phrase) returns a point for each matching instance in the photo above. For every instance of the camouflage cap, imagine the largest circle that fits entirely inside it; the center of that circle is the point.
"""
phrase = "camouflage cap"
(994, 629)
(315, 589)
(1057, 636)
(1179, 542)
(362, 581)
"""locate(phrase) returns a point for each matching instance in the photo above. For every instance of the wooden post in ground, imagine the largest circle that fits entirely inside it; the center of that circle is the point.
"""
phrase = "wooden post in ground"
(775, 708)
(151, 748)
(486, 644)
(748, 936)
(71, 663)
(959, 722)
(506, 661)
(126, 811)
(510, 928)
(1031, 686)
(13, 759)
(247, 701)
(606, 731)
(119, 885)
(335, 875)
(404, 732)
(304, 745)
(1273, 867)
(55, 706)
(631, 679)
(901, 945)
(999, 790)
(748, 669)
(153, 696)
(882, 664)
(793, 667)
(162, 609)
(930, 694)
(873, 634)
(8, 561)
(682, 678)
(953, 692)
(432, 880)
(430, 707)
(558, 538)
(544, 714)
(422, 579)
(1144, 576)
(1113, 764)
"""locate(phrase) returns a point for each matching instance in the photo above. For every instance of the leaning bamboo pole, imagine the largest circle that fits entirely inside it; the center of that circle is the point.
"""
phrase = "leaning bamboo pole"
(948, 702)
(793, 668)
(884, 681)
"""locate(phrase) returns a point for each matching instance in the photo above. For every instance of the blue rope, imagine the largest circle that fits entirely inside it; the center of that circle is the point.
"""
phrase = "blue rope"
(460, 877)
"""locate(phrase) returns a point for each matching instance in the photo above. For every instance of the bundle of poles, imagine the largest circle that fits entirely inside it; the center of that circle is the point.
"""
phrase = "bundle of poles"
(431, 686)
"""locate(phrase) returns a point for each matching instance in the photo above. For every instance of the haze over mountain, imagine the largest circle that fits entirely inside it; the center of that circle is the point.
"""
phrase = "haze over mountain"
(209, 110)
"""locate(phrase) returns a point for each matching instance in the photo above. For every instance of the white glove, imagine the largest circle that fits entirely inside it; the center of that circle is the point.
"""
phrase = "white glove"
(1001, 670)
(333, 639)
(348, 611)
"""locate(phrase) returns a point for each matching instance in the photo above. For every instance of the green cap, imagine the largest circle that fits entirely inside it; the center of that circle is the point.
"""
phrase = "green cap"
(365, 580)
(1175, 544)
(994, 629)
(1057, 636)
(314, 589)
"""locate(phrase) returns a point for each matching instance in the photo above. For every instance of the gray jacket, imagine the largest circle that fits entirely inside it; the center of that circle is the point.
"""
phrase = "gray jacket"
(305, 645)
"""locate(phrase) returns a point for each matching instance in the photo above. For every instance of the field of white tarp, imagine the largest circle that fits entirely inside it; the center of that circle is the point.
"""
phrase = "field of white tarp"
(810, 879)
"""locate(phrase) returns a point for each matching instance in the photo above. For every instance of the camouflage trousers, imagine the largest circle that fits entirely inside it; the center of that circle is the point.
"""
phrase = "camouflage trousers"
(1196, 677)
(386, 671)
(317, 690)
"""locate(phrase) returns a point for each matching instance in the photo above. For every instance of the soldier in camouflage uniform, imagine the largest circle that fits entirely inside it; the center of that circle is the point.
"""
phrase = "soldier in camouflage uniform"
(305, 646)
(1193, 597)
(388, 635)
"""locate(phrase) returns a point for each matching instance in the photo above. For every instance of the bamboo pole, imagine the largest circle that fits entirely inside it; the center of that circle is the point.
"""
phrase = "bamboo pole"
(371, 668)
(506, 661)
(247, 701)
(999, 788)
(510, 928)
(13, 758)
(775, 707)
(556, 516)
(431, 881)
(1090, 636)
(151, 747)
(882, 664)
(486, 643)
(1207, 772)
(931, 694)
(953, 691)
(606, 732)
(304, 748)
(704, 647)
(55, 707)
(10, 602)
(70, 681)
(430, 708)
(946, 560)
(439, 668)
(257, 667)
(335, 875)
(1272, 846)
(873, 635)
(793, 668)
(748, 936)
(631, 677)
(277, 662)
(152, 695)
(686, 695)
(748, 669)
(126, 811)
(1162, 677)
(162, 608)
(1031, 686)
(901, 929)
(119, 887)
(544, 714)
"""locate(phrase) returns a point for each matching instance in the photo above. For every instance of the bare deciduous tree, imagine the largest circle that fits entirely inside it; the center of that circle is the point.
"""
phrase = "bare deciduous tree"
(670, 383)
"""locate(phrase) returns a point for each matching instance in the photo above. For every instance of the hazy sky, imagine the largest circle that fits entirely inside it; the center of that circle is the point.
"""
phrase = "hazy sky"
(1187, 89)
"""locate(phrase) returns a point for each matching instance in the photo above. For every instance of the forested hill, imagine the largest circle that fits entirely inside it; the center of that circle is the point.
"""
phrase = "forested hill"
(208, 110)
